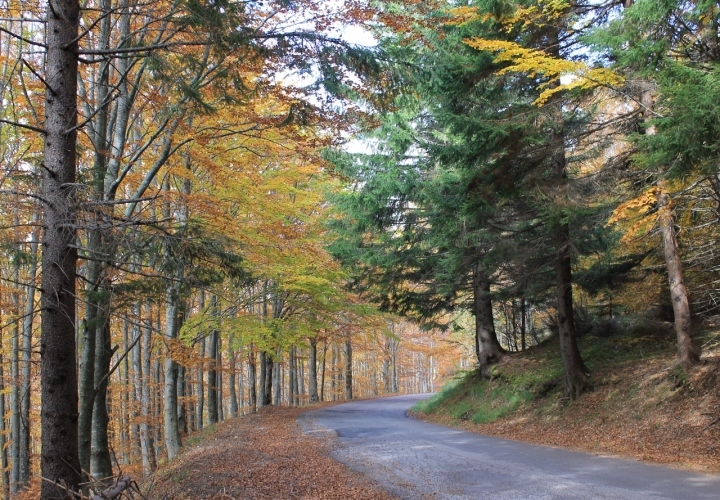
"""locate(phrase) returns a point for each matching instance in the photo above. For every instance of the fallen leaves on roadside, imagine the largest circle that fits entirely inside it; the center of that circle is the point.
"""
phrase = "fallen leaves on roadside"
(262, 456)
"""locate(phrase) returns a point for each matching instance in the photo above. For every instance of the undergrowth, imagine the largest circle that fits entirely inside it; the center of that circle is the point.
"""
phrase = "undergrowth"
(535, 377)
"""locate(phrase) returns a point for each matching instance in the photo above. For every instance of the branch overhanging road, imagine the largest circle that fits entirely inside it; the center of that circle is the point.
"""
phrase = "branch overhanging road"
(414, 459)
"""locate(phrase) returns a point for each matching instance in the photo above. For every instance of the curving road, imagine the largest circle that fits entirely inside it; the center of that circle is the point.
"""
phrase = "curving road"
(414, 459)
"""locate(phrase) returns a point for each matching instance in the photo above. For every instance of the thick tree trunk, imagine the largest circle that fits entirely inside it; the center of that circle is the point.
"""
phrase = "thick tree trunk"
(59, 414)
(312, 372)
(348, 370)
(277, 378)
(487, 347)
(269, 365)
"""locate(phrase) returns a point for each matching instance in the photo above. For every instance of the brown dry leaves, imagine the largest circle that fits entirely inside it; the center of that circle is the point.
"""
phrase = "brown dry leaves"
(261, 456)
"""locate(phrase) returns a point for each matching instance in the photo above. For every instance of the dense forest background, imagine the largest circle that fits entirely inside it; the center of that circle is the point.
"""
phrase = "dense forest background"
(186, 235)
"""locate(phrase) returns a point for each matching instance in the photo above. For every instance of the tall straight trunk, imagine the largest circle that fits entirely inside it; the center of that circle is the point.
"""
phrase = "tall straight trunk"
(312, 372)
(575, 372)
(182, 411)
(172, 429)
(26, 365)
(87, 364)
(100, 461)
(487, 347)
(348, 370)
(231, 378)
(212, 377)
(523, 324)
(269, 365)
(252, 382)
(15, 423)
(301, 376)
(277, 376)
(261, 381)
(292, 374)
(147, 440)
(200, 386)
(322, 376)
(137, 377)
(58, 377)
(4, 474)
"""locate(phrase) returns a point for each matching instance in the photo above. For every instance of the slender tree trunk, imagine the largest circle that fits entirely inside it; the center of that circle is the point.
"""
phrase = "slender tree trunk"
(523, 324)
(269, 365)
(348, 370)
(100, 461)
(263, 376)
(322, 376)
(3, 437)
(147, 440)
(182, 412)
(312, 372)
(200, 385)
(172, 429)
(231, 378)
(252, 383)
(487, 347)
(212, 378)
(15, 423)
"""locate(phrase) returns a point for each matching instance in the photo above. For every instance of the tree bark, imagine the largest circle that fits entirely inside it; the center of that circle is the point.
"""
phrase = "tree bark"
(100, 462)
(59, 415)
(172, 430)
(487, 347)
(312, 372)
(231, 378)
(252, 383)
(688, 353)
(348, 370)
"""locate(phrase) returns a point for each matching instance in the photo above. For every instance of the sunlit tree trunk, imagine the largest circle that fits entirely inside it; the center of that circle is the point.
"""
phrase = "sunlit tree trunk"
(487, 347)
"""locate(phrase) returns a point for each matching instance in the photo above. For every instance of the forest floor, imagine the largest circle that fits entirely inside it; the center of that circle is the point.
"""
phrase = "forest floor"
(641, 405)
(259, 456)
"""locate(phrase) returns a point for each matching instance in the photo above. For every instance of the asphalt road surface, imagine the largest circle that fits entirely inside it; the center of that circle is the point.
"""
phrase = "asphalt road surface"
(414, 459)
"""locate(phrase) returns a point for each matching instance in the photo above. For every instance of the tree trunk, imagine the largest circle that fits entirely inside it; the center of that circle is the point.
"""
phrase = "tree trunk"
(3, 436)
(576, 374)
(322, 376)
(263, 376)
(172, 429)
(59, 415)
(348, 370)
(147, 440)
(487, 347)
(252, 383)
(100, 462)
(231, 378)
(688, 353)
(15, 423)
(292, 374)
(212, 378)
(200, 384)
(277, 378)
(268, 380)
(312, 372)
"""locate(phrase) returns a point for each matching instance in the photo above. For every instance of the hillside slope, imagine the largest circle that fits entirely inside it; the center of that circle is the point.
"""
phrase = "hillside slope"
(641, 405)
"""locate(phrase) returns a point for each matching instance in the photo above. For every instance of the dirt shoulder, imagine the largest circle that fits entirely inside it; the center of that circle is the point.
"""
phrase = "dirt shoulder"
(261, 456)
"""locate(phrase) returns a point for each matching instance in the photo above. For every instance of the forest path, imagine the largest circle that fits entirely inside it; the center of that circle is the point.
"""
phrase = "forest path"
(414, 459)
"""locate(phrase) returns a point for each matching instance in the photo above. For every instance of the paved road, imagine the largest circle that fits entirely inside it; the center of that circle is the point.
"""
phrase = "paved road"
(414, 459)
